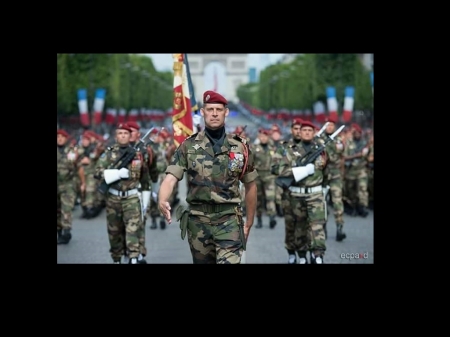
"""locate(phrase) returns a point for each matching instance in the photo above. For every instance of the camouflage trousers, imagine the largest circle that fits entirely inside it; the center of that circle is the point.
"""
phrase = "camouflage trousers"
(304, 218)
(65, 201)
(88, 198)
(215, 243)
(123, 217)
(370, 185)
(265, 201)
(336, 197)
(278, 195)
(356, 190)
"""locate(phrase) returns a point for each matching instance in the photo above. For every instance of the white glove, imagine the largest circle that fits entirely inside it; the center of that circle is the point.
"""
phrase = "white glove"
(111, 175)
(124, 173)
(145, 200)
(365, 151)
(302, 172)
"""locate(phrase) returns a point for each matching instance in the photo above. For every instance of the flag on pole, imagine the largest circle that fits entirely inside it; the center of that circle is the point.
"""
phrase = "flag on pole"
(111, 115)
(99, 104)
(332, 103)
(122, 115)
(183, 100)
(83, 107)
(319, 112)
(348, 104)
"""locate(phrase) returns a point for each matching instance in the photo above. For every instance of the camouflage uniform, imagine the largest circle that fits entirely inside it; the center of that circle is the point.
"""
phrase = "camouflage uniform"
(356, 176)
(213, 230)
(66, 172)
(334, 175)
(303, 202)
(123, 213)
(370, 165)
(161, 165)
(263, 154)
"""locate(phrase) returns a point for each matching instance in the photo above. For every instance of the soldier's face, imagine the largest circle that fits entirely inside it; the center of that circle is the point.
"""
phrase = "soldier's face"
(331, 127)
(296, 134)
(307, 133)
(123, 136)
(263, 138)
(85, 141)
(214, 115)
(276, 135)
(61, 140)
(135, 134)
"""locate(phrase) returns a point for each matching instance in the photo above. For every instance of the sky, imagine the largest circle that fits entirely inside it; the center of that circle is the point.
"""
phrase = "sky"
(164, 62)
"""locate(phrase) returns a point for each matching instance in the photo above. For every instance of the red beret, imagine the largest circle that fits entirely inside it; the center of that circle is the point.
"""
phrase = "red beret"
(275, 127)
(264, 132)
(62, 132)
(213, 97)
(164, 133)
(297, 121)
(311, 125)
(332, 119)
(154, 131)
(124, 126)
(356, 127)
(87, 134)
(134, 125)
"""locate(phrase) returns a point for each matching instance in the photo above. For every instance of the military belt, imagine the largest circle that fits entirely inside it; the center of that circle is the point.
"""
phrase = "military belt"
(212, 208)
(314, 189)
(123, 194)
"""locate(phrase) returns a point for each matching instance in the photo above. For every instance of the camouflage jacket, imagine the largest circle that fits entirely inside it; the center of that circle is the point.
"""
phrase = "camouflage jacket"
(286, 158)
(263, 156)
(213, 178)
(335, 155)
(352, 147)
(138, 170)
(66, 164)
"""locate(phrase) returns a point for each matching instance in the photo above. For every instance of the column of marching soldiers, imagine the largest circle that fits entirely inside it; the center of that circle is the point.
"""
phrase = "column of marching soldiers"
(350, 177)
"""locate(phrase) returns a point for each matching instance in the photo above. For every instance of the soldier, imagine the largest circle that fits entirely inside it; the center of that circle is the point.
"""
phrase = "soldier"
(370, 172)
(334, 175)
(124, 214)
(275, 135)
(355, 156)
(303, 204)
(215, 162)
(66, 171)
(265, 183)
(150, 158)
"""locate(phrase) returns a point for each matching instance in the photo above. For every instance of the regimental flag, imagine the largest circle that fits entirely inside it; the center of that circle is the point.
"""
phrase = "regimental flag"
(99, 104)
(183, 100)
(83, 107)
(348, 104)
(332, 103)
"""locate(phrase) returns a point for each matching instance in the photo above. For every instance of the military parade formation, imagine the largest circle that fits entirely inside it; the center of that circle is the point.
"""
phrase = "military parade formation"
(310, 177)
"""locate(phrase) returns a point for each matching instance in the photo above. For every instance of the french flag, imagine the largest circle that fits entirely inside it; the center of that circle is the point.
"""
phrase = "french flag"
(83, 107)
(99, 104)
(122, 114)
(319, 112)
(332, 103)
(348, 104)
(111, 115)
(133, 115)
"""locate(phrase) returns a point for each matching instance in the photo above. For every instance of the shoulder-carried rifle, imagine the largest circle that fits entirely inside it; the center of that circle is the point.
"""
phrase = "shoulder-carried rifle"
(309, 157)
(124, 160)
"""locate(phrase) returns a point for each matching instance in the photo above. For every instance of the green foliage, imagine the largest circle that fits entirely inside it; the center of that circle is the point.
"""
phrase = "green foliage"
(131, 81)
(299, 84)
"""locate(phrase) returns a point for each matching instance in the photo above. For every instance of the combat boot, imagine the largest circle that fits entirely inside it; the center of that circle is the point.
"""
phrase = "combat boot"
(91, 213)
(302, 258)
(162, 224)
(141, 259)
(362, 211)
(84, 212)
(259, 221)
(316, 259)
(64, 237)
(272, 222)
(153, 225)
(279, 211)
(58, 233)
(340, 235)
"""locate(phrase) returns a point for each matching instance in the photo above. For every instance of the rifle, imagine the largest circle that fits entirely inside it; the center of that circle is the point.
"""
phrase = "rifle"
(124, 160)
(309, 157)
(357, 151)
(243, 130)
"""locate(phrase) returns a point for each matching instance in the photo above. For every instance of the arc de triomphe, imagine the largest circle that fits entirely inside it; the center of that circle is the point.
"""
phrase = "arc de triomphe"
(236, 71)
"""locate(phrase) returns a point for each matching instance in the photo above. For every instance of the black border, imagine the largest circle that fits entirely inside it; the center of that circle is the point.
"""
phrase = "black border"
(157, 274)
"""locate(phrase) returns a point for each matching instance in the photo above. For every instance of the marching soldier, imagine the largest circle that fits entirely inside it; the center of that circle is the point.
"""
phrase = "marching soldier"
(215, 163)
(265, 183)
(275, 135)
(355, 156)
(66, 171)
(124, 213)
(303, 203)
(334, 175)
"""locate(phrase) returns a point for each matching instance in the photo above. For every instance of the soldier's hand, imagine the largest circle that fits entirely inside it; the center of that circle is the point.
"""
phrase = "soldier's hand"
(83, 187)
(246, 231)
(164, 208)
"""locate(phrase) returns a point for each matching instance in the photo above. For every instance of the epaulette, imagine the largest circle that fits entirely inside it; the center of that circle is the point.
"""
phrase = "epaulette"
(241, 139)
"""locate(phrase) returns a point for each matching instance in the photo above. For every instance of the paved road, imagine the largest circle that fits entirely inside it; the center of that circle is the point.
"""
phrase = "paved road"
(89, 242)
